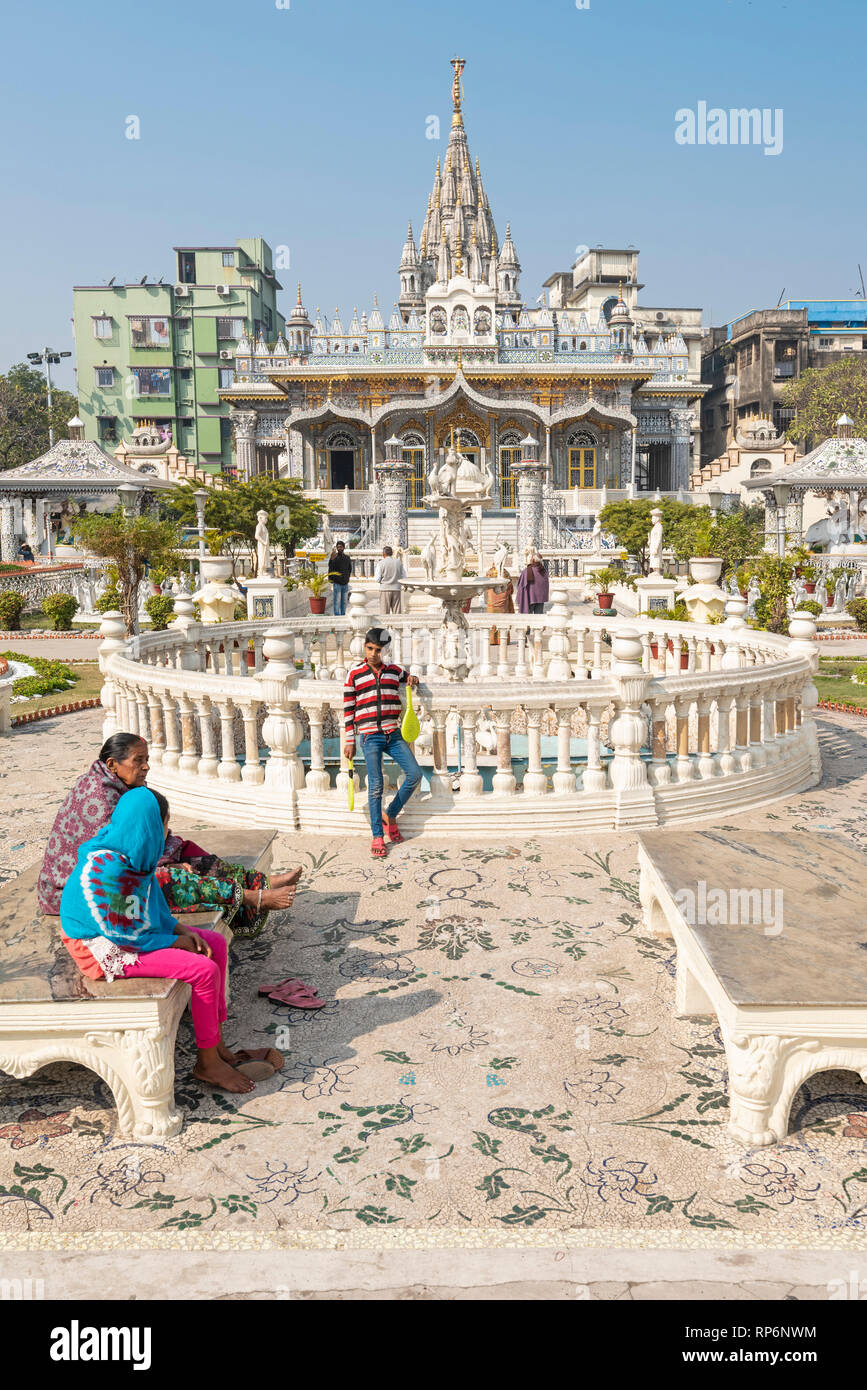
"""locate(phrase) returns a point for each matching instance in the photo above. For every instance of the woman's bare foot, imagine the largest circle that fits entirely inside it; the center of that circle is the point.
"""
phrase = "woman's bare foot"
(211, 1068)
(286, 880)
(272, 898)
(227, 1055)
(276, 898)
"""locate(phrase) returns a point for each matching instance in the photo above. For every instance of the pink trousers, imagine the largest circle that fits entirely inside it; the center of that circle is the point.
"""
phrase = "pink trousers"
(207, 977)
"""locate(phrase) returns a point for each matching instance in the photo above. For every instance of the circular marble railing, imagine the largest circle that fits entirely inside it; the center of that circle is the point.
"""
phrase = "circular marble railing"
(574, 723)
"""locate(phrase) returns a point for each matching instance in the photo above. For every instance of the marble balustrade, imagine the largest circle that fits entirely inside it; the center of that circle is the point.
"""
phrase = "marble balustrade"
(661, 737)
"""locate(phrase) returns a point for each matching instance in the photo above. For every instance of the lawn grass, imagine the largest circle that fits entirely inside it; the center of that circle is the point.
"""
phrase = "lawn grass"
(834, 680)
(88, 683)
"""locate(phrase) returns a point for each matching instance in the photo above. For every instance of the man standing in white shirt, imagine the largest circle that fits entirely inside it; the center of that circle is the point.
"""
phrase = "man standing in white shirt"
(388, 574)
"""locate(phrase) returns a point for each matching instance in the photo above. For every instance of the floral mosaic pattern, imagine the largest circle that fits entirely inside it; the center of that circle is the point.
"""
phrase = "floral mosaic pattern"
(499, 1050)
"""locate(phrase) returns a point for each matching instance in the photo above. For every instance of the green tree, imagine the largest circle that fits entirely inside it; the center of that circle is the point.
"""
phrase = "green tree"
(629, 523)
(775, 577)
(822, 394)
(131, 544)
(24, 415)
(292, 517)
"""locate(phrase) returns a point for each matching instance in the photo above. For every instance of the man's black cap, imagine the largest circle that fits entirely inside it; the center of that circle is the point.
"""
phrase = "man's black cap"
(379, 635)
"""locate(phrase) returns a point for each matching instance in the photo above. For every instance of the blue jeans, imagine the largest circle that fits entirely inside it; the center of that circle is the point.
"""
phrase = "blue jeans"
(339, 592)
(373, 746)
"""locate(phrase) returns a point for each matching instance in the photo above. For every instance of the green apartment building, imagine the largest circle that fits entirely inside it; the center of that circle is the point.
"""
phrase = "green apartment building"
(160, 353)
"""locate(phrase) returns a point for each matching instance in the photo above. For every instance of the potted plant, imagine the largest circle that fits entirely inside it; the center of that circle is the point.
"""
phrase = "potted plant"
(704, 566)
(250, 655)
(315, 583)
(215, 565)
(809, 574)
(604, 579)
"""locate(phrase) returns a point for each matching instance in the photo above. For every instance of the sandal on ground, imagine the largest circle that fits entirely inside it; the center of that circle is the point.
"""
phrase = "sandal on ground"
(269, 1055)
(281, 984)
(377, 847)
(296, 995)
(256, 1071)
(204, 1081)
(393, 833)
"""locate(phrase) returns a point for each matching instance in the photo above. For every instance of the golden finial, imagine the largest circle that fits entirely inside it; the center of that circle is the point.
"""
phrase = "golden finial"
(459, 259)
(375, 300)
(299, 291)
(458, 64)
(438, 167)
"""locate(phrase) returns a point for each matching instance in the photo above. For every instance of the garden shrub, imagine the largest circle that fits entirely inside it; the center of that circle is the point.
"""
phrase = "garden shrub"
(50, 675)
(856, 608)
(11, 608)
(109, 601)
(809, 605)
(60, 609)
(160, 608)
(859, 673)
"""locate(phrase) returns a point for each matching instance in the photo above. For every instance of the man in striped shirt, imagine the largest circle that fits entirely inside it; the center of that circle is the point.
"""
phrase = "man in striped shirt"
(372, 710)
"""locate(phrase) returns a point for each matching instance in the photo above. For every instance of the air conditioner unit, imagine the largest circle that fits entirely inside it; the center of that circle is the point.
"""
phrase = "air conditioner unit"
(182, 291)
(224, 290)
(226, 354)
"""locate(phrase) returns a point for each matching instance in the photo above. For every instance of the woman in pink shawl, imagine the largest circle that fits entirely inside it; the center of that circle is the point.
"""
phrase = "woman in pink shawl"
(189, 876)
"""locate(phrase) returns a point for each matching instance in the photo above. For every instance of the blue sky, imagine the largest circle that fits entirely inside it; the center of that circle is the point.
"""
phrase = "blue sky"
(306, 125)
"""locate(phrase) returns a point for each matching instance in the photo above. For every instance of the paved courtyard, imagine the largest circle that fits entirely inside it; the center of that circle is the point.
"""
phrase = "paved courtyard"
(498, 1065)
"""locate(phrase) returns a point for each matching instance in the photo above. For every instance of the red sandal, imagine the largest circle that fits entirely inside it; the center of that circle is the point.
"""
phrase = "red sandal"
(377, 847)
(393, 833)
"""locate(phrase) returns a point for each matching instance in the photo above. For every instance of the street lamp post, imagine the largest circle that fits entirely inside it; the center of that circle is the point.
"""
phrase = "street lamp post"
(715, 498)
(48, 355)
(128, 492)
(781, 496)
(201, 496)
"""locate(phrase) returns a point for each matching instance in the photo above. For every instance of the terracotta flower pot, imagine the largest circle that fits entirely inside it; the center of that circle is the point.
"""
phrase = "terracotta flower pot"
(317, 605)
(251, 660)
(654, 650)
(684, 661)
(810, 586)
(669, 646)
(604, 600)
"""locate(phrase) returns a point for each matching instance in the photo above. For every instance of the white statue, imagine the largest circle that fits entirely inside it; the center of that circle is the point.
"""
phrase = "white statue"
(500, 556)
(486, 735)
(327, 536)
(654, 542)
(453, 556)
(754, 593)
(596, 536)
(799, 592)
(447, 475)
(263, 546)
(424, 742)
(853, 584)
(429, 558)
(490, 480)
(840, 589)
(830, 530)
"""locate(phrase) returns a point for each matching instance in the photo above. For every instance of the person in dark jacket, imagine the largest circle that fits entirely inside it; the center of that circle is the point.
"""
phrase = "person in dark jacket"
(339, 572)
(532, 592)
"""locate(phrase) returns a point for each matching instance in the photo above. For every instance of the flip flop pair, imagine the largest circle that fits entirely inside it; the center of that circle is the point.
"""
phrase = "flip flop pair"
(294, 993)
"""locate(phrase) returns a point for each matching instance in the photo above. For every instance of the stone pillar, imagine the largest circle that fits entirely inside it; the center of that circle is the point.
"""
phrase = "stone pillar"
(681, 421)
(393, 475)
(531, 475)
(7, 530)
(244, 422)
(627, 732)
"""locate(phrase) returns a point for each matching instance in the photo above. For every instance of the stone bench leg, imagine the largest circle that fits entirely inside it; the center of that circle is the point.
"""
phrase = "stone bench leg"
(137, 1063)
(765, 1071)
(655, 918)
(690, 997)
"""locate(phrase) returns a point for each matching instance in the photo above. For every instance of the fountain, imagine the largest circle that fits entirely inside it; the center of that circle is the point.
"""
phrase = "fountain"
(455, 487)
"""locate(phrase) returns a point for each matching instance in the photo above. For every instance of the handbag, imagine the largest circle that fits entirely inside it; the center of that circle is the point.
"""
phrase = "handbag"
(410, 728)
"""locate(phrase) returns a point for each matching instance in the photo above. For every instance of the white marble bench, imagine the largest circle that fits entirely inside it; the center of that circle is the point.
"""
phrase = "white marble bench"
(784, 970)
(124, 1031)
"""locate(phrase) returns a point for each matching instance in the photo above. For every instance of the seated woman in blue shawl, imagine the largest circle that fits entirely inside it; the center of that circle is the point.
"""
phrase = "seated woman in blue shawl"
(115, 922)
